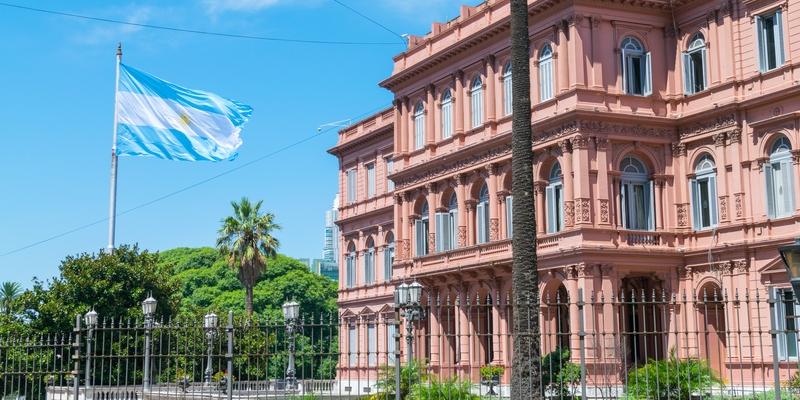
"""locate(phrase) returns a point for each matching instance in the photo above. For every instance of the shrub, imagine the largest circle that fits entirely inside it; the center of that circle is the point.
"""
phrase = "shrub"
(450, 389)
(409, 375)
(559, 375)
(489, 372)
(671, 379)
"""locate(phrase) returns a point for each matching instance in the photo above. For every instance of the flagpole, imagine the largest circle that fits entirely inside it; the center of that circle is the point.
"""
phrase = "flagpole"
(112, 203)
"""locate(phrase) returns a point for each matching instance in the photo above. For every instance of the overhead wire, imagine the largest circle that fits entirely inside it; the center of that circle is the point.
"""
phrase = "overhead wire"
(196, 31)
(182, 189)
(362, 15)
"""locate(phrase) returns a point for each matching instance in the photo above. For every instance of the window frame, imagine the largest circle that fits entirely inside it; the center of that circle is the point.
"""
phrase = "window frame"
(546, 81)
(697, 47)
(631, 48)
(476, 102)
(629, 181)
(778, 40)
(554, 200)
(419, 125)
(389, 163)
(421, 231)
(371, 184)
(780, 159)
(507, 89)
(782, 319)
(388, 258)
(705, 172)
(482, 216)
(446, 110)
(351, 183)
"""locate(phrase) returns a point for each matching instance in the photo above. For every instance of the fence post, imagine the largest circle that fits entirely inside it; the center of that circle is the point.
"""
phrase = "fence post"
(397, 366)
(774, 333)
(582, 341)
(229, 355)
(76, 373)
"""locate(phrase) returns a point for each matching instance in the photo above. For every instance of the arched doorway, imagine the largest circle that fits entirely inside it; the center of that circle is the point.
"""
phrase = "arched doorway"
(711, 325)
(555, 315)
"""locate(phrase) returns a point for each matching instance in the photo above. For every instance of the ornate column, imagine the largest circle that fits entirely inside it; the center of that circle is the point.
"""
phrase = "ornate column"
(736, 202)
(566, 168)
(681, 188)
(722, 174)
(404, 122)
(659, 182)
(494, 222)
(459, 103)
(562, 58)
(398, 124)
(461, 181)
(539, 188)
(571, 272)
(581, 183)
(603, 195)
(463, 326)
(436, 329)
(430, 107)
(407, 225)
(470, 206)
(491, 94)
(398, 220)
(497, 350)
(502, 214)
(433, 203)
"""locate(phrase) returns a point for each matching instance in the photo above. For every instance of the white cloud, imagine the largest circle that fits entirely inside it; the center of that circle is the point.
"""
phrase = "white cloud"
(107, 32)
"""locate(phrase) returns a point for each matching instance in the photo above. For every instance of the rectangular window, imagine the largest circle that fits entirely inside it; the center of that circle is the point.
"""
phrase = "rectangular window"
(419, 132)
(388, 260)
(389, 171)
(546, 80)
(447, 119)
(554, 195)
(444, 231)
(350, 261)
(694, 71)
(769, 33)
(352, 346)
(482, 220)
(390, 341)
(370, 180)
(421, 236)
(509, 217)
(704, 194)
(351, 186)
(637, 205)
(636, 73)
(452, 217)
(507, 90)
(372, 345)
(476, 98)
(785, 323)
(369, 267)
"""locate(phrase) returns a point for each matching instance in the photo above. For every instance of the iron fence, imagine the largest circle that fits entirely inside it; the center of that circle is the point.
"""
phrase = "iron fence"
(634, 345)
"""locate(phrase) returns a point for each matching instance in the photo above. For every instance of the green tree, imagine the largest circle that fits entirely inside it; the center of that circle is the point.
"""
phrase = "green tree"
(246, 241)
(114, 284)
(525, 382)
(9, 292)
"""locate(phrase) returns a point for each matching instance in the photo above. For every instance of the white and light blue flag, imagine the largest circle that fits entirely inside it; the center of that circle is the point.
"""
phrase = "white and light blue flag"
(160, 119)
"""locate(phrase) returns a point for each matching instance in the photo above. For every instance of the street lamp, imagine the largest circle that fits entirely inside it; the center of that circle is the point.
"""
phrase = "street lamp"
(791, 259)
(408, 297)
(291, 312)
(149, 310)
(210, 326)
(91, 322)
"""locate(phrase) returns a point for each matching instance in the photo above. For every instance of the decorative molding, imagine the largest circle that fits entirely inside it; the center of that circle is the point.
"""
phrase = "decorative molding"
(569, 213)
(741, 266)
(796, 156)
(431, 240)
(683, 215)
(719, 122)
(604, 215)
(462, 236)
(494, 229)
(719, 139)
(735, 136)
(739, 202)
(436, 172)
(579, 142)
(565, 146)
(678, 149)
(601, 144)
(581, 270)
(723, 208)
(582, 211)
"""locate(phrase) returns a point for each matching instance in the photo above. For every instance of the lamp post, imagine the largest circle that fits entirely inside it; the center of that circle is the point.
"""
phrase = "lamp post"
(210, 326)
(791, 259)
(408, 298)
(91, 322)
(291, 311)
(149, 311)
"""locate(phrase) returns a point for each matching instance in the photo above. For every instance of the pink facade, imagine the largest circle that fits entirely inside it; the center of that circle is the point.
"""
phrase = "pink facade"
(666, 157)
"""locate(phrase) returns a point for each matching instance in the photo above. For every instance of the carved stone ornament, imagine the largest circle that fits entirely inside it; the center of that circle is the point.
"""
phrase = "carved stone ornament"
(604, 217)
(494, 229)
(569, 213)
(735, 136)
(431, 240)
(683, 215)
(723, 208)
(741, 266)
(579, 142)
(721, 121)
(582, 211)
(678, 149)
(590, 128)
(462, 236)
(739, 200)
(434, 173)
(719, 139)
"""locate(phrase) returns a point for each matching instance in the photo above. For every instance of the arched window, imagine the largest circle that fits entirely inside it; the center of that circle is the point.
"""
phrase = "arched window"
(780, 182)
(447, 114)
(546, 73)
(369, 262)
(446, 225)
(482, 215)
(421, 231)
(476, 101)
(554, 196)
(507, 106)
(636, 195)
(350, 265)
(419, 125)
(694, 65)
(704, 194)
(388, 257)
(636, 68)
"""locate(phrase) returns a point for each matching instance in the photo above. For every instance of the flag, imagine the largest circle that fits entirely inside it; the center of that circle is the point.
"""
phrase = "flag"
(160, 119)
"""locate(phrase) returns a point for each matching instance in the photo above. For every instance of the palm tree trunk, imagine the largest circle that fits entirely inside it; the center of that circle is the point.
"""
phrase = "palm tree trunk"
(248, 301)
(525, 372)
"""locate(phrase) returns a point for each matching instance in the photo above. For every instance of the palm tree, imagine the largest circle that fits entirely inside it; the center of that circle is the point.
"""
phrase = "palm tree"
(9, 291)
(246, 241)
(525, 377)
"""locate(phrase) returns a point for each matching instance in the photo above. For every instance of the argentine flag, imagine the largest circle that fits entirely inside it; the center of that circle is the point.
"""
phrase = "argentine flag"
(160, 119)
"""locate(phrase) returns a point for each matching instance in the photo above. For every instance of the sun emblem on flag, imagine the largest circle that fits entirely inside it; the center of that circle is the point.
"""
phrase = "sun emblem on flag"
(185, 119)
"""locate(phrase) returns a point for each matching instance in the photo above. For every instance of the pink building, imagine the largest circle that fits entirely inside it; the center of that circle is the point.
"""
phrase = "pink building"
(667, 157)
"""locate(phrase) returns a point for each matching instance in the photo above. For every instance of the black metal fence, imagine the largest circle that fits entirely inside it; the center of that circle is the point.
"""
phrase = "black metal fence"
(633, 345)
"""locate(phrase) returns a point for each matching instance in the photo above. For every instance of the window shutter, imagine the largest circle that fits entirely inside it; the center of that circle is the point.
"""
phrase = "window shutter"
(771, 198)
(419, 230)
(552, 225)
(444, 234)
(778, 30)
(371, 180)
(703, 56)
(453, 229)
(509, 217)
(439, 232)
(696, 201)
(648, 75)
(762, 51)
(389, 170)
(649, 202)
(507, 95)
(625, 87)
(479, 219)
(788, 187)
(623, 204)
(780, 322)
(712, 201)
(687, 73)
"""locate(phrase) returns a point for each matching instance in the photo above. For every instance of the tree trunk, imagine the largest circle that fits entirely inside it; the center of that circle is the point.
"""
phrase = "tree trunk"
(248, 301)
(525, 372)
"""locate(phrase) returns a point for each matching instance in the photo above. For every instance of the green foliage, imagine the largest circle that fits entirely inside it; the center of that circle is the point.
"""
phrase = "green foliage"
(410, 374)
(559, 375)
(113, 284)
(9, 291)
(794, 383)
(672, 378)
(451, 389)
(489, 372)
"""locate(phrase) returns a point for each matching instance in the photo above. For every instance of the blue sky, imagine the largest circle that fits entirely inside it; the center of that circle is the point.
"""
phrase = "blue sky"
(57, 88)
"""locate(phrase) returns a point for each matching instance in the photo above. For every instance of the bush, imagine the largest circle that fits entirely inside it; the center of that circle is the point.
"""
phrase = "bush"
(559, 375)
(490, 372)
(451, 389)
(410, 374)
(671, 379)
